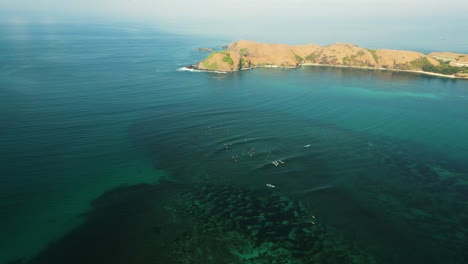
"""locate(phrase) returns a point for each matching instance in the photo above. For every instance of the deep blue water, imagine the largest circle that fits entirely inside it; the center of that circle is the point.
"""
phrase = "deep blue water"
(87, 109)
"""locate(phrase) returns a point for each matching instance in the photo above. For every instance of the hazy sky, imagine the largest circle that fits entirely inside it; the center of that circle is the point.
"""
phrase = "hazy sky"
(375, 21)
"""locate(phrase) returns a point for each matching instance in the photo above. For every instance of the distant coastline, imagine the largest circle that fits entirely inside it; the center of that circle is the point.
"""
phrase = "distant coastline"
(246, 55)
(383, 69)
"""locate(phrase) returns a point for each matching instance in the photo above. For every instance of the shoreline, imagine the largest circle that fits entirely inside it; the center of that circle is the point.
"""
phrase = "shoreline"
(384, 69)
(194, 68)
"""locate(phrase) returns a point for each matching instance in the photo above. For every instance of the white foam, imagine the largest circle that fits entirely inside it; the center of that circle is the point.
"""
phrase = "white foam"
(187, 69)
(194, 70)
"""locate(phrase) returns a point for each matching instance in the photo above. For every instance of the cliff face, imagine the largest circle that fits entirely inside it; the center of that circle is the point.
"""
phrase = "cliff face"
(249, 54)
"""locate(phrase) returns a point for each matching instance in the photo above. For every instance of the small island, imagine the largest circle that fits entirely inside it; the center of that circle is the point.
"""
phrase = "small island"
(245, 55)
(203, 49)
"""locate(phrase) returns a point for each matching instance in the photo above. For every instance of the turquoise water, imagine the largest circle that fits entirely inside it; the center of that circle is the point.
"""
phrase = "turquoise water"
(89, 109)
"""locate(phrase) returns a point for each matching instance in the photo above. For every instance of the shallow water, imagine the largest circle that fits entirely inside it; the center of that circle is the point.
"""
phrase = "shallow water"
(85, 112)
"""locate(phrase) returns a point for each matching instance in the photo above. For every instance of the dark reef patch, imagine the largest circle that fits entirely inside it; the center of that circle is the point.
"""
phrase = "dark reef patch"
(120, 228)
(260, 226)
(172, 223)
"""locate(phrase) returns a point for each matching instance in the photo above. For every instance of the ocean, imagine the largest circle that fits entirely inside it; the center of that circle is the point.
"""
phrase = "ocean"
(112, 153)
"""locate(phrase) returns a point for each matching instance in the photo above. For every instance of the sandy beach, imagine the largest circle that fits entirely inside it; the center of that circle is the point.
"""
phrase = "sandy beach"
(383, 69)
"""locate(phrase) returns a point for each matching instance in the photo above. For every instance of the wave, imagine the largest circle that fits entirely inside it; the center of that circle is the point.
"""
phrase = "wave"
(194, 70)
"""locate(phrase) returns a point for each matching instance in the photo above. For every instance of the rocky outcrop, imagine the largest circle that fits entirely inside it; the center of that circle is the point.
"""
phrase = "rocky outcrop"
(461, 75)
(246, 54)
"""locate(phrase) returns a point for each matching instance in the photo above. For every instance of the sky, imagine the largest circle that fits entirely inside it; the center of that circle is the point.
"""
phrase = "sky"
(428, 24)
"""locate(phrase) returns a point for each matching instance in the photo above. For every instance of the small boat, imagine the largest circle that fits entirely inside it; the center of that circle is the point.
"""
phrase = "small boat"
(270, 185)
(306, 146)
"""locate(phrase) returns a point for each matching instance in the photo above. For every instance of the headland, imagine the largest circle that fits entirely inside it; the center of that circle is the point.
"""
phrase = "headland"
(245, 55)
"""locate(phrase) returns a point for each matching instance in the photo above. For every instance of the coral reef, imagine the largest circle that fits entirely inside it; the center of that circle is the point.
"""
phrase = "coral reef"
(260, 226)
